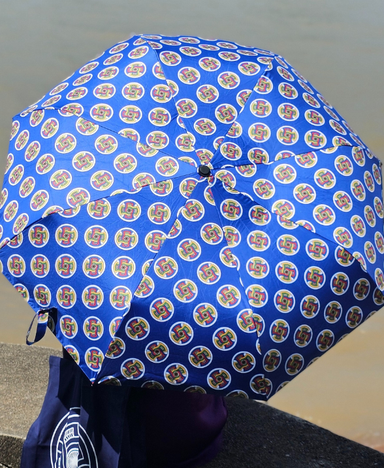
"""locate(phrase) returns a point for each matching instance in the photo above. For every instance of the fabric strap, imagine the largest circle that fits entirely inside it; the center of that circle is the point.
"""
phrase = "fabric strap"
(42, 318)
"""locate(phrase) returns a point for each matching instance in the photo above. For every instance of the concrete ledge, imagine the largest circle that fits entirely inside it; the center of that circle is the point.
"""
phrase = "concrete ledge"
(256, 435)
(10, 450)
(23, 383)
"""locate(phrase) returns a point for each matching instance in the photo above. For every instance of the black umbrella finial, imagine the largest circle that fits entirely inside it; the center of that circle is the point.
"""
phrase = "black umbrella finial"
(204, 171)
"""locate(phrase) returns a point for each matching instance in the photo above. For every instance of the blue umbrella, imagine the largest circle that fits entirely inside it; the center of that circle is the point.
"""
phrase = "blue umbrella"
(192, 214)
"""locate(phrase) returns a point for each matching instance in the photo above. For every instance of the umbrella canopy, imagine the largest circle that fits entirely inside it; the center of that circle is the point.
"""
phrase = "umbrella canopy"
(192, 214)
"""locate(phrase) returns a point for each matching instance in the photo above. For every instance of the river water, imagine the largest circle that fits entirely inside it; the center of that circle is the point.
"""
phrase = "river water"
(338, 46)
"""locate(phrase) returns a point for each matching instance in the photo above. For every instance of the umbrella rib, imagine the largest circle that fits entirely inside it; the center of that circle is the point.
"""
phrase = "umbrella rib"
(111, 195)
(89, 119)
(241, 110)
(238, 270)
(279, 161)
(157, 253)
(166, 79)
(177, 110)
(259, 203)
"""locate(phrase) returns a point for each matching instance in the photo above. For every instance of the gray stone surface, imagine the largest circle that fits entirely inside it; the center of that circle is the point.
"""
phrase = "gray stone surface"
(259, 436)
(23, 383)
(256, 435)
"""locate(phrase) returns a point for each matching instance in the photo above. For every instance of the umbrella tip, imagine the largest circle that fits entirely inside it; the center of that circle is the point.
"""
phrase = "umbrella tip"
(204, 171)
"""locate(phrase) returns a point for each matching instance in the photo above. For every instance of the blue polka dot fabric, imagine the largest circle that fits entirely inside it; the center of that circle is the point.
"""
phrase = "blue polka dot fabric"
(192, 214)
